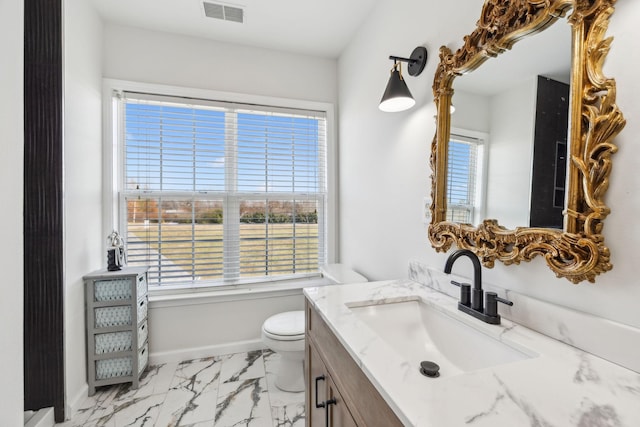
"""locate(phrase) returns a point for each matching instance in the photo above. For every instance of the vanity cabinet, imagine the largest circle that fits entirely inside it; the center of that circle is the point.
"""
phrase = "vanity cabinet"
(116, 326)
(333, 378)
(325, 404)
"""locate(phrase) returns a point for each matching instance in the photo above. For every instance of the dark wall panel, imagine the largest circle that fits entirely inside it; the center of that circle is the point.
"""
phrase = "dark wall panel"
(43, 222)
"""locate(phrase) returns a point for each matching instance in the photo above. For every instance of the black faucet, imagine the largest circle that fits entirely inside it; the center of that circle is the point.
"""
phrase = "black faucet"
(475, 305)
(477, 295)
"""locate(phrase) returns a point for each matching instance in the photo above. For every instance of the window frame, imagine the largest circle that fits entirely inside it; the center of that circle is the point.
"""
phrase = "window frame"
(113, 154)
(479, 208)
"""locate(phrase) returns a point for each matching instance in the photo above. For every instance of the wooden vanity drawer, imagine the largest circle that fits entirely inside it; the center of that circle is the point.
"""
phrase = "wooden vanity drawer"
(366, 405)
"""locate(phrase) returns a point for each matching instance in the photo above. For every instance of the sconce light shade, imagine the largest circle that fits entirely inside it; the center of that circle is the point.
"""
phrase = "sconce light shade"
(397, 96)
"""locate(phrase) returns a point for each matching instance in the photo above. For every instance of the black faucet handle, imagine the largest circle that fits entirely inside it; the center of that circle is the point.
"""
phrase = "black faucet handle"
(493, 299)
(465, 292)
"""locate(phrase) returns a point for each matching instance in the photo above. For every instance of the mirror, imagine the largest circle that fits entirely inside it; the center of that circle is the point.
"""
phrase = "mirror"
(576, 251)
(509, 86)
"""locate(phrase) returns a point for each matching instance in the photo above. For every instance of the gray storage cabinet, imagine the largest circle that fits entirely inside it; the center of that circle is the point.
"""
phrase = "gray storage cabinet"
(117, 331)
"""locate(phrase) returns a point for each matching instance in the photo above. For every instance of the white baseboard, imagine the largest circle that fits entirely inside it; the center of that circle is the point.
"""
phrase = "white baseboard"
(207, 351)
(74, 403)
(42, 418)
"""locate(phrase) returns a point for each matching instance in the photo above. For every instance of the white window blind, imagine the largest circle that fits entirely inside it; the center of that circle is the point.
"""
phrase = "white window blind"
(462, 173)
(220, 192)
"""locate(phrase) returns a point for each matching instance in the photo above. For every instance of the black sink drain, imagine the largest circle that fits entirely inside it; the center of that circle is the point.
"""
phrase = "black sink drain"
(429, 369)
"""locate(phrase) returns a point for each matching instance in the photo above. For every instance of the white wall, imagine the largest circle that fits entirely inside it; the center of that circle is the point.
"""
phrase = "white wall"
(385, 165)
(11, 176)
(196, 328)
(384, 157)
(84, 238)
(178, 329)
(154, 57)
(473, 111)
(510, 152)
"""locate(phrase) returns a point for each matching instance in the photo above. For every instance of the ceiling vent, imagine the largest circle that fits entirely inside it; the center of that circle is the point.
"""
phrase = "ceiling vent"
(224, 12)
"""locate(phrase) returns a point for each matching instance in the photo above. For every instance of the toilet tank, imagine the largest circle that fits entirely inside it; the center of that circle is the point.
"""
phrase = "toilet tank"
(339, 273)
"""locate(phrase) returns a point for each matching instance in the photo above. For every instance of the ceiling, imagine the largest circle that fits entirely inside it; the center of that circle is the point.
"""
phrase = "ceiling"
(317, 28)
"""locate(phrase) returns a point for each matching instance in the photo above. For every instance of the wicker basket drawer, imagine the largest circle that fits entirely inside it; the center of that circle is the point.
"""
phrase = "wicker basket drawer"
(121, 366)
(119, 289)
(143, 332)
(112, 289)
(119, 315)
(141, 286)
(142, 309)
(143, 358)
(112, 342)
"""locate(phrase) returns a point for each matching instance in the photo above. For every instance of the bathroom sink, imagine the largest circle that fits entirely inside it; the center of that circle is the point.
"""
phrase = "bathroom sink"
(420, 331)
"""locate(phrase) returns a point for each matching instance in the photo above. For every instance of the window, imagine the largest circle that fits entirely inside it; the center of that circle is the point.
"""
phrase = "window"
(216, 193)
(464, 178)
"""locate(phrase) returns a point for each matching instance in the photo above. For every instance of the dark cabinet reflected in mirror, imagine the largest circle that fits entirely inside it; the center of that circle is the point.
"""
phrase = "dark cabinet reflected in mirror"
(549, 169)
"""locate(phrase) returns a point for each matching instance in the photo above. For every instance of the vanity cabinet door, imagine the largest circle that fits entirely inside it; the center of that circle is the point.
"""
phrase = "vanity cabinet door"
(315, 370)
(338, 412)
(321, 389)
(357, 400)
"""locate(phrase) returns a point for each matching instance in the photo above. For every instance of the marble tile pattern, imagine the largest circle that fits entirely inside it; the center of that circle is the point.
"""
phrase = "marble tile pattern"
(221, 391)
(559, 385)
(610, 340)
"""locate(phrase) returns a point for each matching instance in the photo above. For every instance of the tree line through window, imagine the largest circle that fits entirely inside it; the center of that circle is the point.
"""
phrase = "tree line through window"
(207, 212)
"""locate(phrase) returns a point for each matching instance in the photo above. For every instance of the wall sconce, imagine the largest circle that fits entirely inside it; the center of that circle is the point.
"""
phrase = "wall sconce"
(397, 96)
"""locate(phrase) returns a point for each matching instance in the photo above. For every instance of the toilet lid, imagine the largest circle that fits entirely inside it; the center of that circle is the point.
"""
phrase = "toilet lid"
(288, 324)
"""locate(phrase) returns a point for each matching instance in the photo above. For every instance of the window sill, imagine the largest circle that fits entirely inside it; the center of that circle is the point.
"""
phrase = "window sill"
(211, 295)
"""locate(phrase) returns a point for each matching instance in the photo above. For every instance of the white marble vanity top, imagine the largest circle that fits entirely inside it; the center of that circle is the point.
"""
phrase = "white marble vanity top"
(562, 386)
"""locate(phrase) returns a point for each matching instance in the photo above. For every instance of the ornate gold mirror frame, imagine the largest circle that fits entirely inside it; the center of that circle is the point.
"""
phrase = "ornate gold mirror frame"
(578, 252)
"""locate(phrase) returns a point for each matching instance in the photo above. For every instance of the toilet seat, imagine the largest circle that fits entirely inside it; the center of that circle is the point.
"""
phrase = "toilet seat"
(287, 326)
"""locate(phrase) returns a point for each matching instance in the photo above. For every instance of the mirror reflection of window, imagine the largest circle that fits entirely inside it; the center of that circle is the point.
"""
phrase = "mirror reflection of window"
(465, 178)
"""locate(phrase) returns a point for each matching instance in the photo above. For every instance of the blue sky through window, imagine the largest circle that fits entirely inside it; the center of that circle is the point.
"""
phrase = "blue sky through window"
(460, 170)
(277, 153)
(176, 148)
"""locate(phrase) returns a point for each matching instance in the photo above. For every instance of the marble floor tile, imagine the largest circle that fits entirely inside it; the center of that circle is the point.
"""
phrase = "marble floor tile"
(110, 422)
(184, 407)
(97, 409)
(243, 403)
(138, 412)
(288, 415)
(155, 380)
(277, 396)
(242, 366)
(192, 393)
(202, 424)
(197, 376)
(223, 391)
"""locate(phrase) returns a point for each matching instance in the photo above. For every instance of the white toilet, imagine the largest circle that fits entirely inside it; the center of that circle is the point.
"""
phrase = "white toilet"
(284, 334)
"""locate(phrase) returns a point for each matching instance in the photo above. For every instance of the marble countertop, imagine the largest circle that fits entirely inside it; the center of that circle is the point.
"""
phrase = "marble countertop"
(562, 386)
